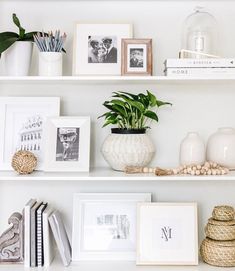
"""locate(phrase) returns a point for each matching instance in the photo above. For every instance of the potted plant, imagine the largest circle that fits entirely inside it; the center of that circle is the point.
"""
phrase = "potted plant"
(18, 50)
(128, 144)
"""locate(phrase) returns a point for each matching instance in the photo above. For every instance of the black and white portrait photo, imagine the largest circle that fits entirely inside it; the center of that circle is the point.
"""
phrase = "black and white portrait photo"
(67, 146)
(136, 58)
(102, 49)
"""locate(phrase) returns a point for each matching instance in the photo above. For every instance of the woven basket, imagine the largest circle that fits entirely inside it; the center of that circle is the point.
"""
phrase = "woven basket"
(220, 230)
(223, 213)
(218, 253)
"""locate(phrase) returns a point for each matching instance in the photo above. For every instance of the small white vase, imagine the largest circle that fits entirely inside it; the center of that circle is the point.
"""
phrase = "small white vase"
(221, 147)
(192, 150)
(121, 150)
(18, 58)
(50, 64)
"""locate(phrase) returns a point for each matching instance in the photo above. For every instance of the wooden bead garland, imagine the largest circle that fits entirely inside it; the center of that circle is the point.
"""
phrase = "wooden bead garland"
(24, 162)
(208, 168)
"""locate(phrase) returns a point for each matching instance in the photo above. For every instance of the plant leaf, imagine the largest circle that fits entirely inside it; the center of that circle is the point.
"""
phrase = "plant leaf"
(151, 115)
(7, 35)
(160, 103)
(17, 23)
(4, 45)
(152, 99)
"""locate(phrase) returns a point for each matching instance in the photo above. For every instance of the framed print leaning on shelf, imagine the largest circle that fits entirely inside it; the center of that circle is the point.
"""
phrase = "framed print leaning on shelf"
(97, 48)
(22, 122)
(137, 57)
(104, 226)
(67, 144)
(167, 234)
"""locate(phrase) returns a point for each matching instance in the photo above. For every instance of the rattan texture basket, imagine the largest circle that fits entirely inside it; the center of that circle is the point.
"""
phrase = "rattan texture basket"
(218, 253)
(223, 213)
(220, 230)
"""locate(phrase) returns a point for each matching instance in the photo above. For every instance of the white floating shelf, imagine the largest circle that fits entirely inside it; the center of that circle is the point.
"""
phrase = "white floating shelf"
(106, 174)
(114, 266)
(118, 79)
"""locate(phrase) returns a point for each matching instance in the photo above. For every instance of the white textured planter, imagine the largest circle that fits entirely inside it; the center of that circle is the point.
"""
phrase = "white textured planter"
(50, 64)
(18, 58)
(221, 147)
(121, 150)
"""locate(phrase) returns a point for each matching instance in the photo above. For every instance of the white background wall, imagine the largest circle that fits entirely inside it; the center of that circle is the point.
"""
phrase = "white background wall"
(200, 107)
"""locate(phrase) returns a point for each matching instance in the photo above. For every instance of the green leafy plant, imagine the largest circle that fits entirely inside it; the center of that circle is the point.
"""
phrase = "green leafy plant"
(7, 39)
(131, 111)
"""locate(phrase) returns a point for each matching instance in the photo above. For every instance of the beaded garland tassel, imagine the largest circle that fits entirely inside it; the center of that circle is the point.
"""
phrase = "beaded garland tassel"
(208, 168)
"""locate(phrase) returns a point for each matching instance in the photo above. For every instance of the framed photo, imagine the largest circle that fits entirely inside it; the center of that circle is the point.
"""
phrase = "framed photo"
(67, 144)
(104, 226)
(22, 126)
(167, 234)
(137, 57)
(97, 48)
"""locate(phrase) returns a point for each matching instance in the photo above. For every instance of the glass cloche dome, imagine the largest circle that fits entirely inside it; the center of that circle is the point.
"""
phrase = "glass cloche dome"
(200, 34)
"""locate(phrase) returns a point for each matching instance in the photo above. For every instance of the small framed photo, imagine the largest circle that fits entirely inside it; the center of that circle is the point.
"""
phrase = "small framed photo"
(167, 234)
(104, 226)
(137, 57)
(97, 48)
(67, 144)
(22, 126)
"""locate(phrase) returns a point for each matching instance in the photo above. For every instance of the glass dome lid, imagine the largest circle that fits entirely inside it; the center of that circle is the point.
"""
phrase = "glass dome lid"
(200, 34)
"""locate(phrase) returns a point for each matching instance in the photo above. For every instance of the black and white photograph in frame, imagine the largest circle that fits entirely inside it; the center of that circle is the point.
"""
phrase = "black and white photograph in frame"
(97, 48)
(137, 57)
(167, 233)
(102, 49)
(67, 146)
(104, 225)
(22, 126)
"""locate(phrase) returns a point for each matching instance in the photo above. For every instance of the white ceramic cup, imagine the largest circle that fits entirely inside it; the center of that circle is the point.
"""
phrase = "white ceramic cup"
(50, 64)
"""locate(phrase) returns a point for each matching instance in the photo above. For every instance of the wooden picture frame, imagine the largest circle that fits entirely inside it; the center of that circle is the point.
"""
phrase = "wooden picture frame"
(137, 57)
(167, 233)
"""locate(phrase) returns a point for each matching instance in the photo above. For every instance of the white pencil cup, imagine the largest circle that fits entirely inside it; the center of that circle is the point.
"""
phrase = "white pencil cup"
(50, 64)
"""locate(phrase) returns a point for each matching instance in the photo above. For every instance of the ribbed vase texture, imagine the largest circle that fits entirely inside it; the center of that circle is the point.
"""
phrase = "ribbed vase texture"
(121, 150)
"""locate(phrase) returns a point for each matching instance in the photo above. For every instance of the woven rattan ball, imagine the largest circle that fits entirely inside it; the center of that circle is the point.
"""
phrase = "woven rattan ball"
(24, 162)
(220, 230)
(223, 213)
(218, 253)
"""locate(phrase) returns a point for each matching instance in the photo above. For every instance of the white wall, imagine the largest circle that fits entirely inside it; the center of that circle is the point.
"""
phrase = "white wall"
(199, 107)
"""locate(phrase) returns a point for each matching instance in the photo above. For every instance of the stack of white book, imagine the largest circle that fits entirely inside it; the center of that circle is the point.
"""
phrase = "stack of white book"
(199, 67)
(41, 223)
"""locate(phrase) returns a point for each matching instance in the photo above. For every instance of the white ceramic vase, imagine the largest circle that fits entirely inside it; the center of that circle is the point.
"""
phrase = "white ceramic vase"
(18, 58)
(50, 64)
(192, 150)
(221, 147)
(121, 150)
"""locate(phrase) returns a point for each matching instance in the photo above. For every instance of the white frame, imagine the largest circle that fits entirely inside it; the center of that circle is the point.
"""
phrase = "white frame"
(80, 54)
(23, 104)
(149, 215)
(79, 202)
(82, 164)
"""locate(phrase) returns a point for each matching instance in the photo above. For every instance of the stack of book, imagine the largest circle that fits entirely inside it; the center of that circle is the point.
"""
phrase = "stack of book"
(41, 222)
(199, 67)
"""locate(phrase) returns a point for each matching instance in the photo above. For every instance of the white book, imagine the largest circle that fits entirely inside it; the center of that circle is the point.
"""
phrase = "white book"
(199, 71)
(27, 236)
(48, 250)
(200, 63)
(61, 237)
